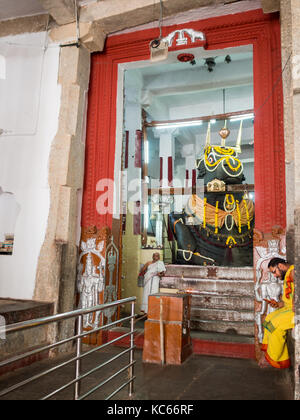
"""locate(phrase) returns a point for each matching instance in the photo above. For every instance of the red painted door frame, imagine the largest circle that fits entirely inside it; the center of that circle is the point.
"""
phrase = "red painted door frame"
(256, 28)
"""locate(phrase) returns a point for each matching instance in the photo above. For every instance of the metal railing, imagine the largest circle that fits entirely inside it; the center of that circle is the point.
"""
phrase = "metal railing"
(80, 334)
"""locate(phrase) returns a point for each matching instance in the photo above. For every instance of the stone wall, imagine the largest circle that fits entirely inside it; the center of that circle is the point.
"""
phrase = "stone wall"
(56, 271)
(290, 31)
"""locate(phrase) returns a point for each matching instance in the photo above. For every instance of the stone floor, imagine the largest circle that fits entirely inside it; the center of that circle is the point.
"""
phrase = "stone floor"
(198, 378)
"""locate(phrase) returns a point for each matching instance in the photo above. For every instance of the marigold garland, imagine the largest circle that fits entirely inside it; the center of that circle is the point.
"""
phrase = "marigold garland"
(239, 215)
(234, 169)
(230, 203)
(216, 217)
(222, 158)
(204, 212)
(247, 213)
(230, 239)
(224, 151)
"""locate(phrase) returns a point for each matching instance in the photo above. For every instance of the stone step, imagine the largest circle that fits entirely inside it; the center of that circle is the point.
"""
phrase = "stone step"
(222, 297)
(222, 315)
(228, 287)
(240, 328)
(222, 337)
(204, 343)
(213, 301)
(199, 272)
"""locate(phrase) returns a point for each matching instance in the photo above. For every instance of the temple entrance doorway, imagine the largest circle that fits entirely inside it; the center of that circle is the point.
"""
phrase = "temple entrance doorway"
(188, 182)
(164, 174)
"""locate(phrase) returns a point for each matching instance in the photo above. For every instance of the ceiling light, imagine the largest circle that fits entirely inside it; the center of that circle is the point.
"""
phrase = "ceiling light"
(179, 124)
(187, 58)
(210, 64)
(227, 59)
(242, 117)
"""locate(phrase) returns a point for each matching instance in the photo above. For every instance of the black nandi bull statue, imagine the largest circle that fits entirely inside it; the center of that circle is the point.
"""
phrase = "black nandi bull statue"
(216, 229)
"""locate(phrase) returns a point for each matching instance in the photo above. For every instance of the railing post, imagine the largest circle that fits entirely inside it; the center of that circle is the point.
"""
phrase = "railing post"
(78, 354)
(131, 355)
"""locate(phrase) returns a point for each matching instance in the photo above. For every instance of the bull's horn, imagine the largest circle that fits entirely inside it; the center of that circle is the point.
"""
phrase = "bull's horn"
(207, 144)
(239, 139)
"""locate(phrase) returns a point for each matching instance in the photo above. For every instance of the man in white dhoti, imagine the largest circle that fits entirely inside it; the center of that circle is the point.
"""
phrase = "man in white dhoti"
(152, 271)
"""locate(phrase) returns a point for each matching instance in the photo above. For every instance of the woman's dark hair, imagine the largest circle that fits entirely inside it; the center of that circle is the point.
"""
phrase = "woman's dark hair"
(275, 261)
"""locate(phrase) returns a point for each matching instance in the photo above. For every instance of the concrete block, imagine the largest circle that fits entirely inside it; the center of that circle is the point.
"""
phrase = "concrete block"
(74, 66)
(62, 11)
(29, 24)
(66, 220)
(91, 35)
(115, 16)
(270, 6)
(59, 160)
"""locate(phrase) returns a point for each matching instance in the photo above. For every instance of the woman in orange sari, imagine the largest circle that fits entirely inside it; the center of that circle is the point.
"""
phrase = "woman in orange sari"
(280, 321)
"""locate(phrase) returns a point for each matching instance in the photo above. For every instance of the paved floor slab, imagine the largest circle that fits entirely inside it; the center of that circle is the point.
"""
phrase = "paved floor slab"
(198, 378)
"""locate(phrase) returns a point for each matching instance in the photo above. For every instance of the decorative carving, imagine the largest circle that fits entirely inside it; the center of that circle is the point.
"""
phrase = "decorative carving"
(91, 272)
(183, 40)
(216, 185)
(112, 269)
(267, 286)
(212, 272)
(258, 239)
(91, 282)
(271, 289)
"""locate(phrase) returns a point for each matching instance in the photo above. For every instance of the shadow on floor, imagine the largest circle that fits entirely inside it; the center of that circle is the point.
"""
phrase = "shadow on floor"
(198, 378)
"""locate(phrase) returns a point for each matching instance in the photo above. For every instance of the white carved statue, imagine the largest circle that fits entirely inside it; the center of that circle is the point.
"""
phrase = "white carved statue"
(267, 286)
(271, 289)
(90, 283)
(89, 286)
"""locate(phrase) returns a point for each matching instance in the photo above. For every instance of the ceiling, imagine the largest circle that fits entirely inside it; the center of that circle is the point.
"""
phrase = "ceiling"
(172, 64)
(170, 89)
(10, 9)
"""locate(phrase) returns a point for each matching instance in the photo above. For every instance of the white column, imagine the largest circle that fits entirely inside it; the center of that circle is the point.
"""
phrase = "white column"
(166, 150)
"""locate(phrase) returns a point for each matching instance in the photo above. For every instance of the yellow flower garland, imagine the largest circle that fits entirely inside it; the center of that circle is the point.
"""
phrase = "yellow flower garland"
(247, 213)
(210, 215)
(229, 240)
(239, 215)
(230, 203)
(225, 151)
(216, 217)
(226, 158)
(229, 164)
